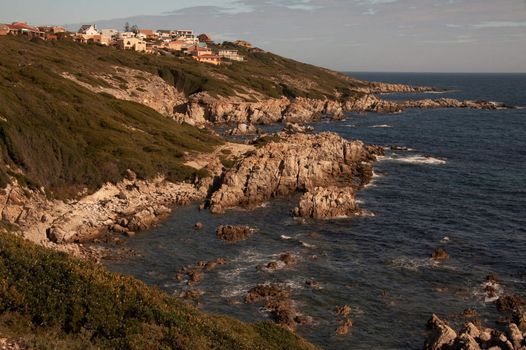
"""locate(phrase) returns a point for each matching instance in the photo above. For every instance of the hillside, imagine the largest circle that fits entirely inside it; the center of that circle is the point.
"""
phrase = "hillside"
(49, 300)
(63, 136)
(57, 134)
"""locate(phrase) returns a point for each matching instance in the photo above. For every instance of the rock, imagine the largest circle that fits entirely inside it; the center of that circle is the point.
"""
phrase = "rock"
(179, 277)
(440, 254)
(119, 229)
(345, 327)
(440, 335)
(466, 342)
(56, 235)
(469, 313)
(288, 259)
(327, 203)
(195, 276)
(510, 303)
(265, 291)
(471, 330)
(283, 312)
(234, 234)
(199, 226)
(130, 175)
(344, 311)
(293, 128)
(191, 294)
(211, 265)
(297, 163)
(313, 284)
(515, 335)
(272, 265)
(242, 129)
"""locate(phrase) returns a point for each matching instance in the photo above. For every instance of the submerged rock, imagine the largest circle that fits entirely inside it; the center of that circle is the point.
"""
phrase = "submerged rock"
(439, 254)
(234, 234)
(266, 291)
(243, 129)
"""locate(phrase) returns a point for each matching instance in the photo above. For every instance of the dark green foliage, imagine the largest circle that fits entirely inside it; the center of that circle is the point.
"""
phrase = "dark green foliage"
(49, 300)
(65, 137)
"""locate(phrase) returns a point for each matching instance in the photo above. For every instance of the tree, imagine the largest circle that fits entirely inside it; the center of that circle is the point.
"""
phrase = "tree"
(127, 27)
(135, 29)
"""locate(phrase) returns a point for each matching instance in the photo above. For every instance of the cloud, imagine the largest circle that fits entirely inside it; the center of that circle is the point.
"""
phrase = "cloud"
(500, 24)
(369, 12)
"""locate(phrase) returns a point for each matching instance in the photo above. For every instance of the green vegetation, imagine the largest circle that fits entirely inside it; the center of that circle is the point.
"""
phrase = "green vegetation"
(65, 138)
(51, 301)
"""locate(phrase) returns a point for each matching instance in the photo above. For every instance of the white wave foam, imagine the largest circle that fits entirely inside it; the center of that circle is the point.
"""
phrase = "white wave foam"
(381, 126)
(307, 245)
(350, 125)
(286, 238)
(413, 159)
(413, 264)
(491, 291)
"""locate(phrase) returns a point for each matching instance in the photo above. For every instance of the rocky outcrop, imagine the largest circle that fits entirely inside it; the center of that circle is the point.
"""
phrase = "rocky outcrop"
(233, 234)
(128, 206)
(471, 337)
(294, 128)
(327, 203)
(137, 86)
(298, 162)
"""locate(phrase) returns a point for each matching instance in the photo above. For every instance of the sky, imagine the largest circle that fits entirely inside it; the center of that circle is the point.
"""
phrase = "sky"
(345, 35)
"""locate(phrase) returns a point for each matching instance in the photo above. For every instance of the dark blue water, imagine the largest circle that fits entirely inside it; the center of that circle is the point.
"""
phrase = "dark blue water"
(464, 178)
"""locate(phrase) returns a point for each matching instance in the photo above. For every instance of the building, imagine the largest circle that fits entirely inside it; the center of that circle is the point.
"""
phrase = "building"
(147, 34)
(177, 45)
(197, 50)
(210, 59)
(185, 33)
(232, 55)
(111, 33)
(21, 28)
(205, 38)
(52, 29)
(88, 29)
(135, 44)
(4, 29)
(126, 35)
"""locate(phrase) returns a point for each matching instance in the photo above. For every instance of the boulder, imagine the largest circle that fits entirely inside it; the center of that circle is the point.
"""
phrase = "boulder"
(440, 335)
(440, 254)
(233, 234)
(327, 203)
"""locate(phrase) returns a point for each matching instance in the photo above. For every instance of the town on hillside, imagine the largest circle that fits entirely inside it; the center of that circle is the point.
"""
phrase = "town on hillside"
(158, 42)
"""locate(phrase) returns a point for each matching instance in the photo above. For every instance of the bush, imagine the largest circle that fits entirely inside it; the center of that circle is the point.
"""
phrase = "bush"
(49, 300)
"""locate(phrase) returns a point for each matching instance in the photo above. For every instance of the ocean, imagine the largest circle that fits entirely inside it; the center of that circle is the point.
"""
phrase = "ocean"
(460, 185)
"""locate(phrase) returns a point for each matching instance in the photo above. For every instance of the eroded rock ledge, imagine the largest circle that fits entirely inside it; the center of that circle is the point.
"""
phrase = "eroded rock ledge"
(297, 163)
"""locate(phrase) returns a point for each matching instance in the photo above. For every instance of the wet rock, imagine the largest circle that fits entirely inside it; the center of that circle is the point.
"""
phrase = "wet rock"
(119, 229)
(303, 320)
(242, 129)
(234, 234)
(191, 294)
(210, 265)
(313, 284)
(195, 276)
(510, 303)
(470, 313)
(283, 312)
(293, 128)
(288, 259)
(440, 254)
(179, 277)
(326, 203)
(515, 335)
(440, 335)
(273, 265)
(265, 291)
(199, 226)
(344, 310)
(345, 327)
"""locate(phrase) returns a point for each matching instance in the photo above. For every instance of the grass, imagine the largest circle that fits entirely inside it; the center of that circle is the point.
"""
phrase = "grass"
(49, 300)
(66, 138)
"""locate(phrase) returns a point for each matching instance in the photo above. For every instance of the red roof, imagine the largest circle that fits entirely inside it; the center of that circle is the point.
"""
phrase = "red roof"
(21, 26)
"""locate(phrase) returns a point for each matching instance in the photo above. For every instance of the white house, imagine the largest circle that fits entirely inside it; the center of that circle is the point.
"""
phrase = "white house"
(126, 35)
(232, 55)
(132, 44)
(88, 29)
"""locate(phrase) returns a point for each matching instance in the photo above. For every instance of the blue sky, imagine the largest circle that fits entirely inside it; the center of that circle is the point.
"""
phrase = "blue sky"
(359, 35)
